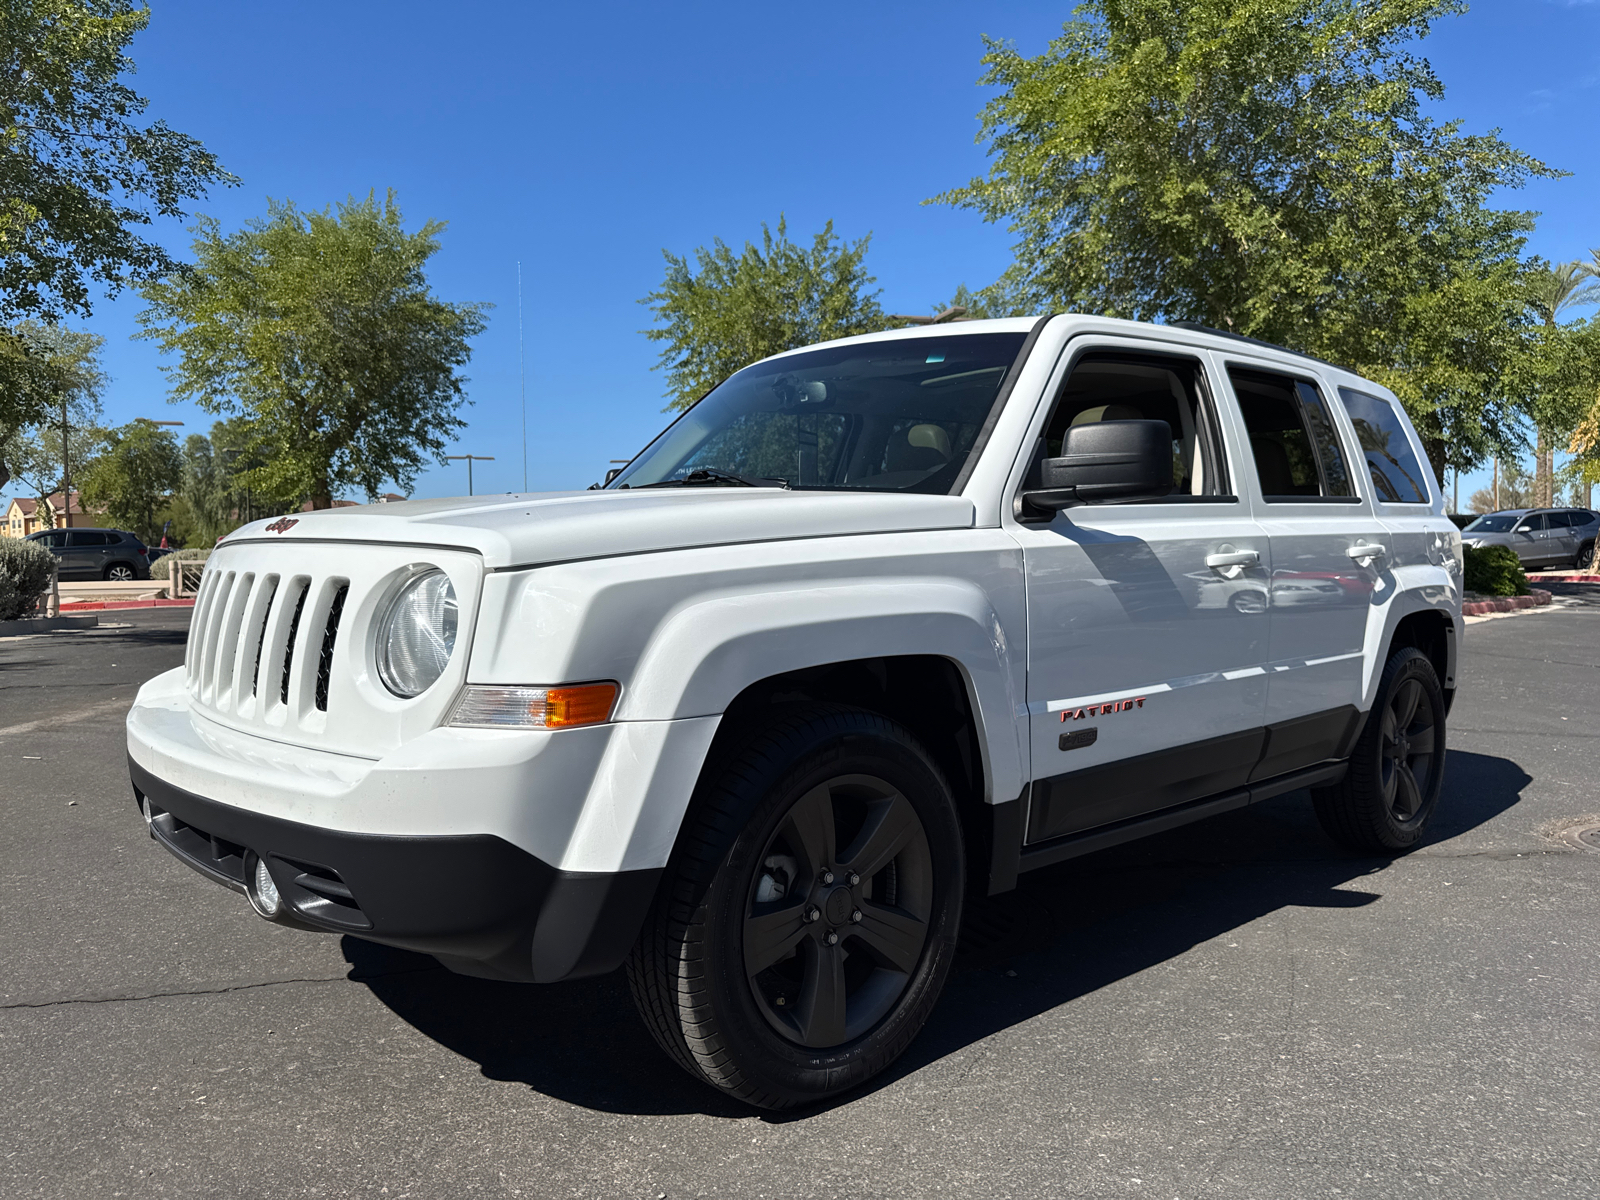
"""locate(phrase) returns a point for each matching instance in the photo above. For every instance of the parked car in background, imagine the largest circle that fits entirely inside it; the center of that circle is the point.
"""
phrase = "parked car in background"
(113, 554)
(1542, 537)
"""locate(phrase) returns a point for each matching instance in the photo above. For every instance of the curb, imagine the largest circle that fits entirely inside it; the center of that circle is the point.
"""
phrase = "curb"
(28, 625)
(1564, 578)
(1536, 598)
(99, 605)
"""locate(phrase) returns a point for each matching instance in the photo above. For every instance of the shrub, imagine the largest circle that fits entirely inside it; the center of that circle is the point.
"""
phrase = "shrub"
(1495, 571)
(162, 567)
(24, 572)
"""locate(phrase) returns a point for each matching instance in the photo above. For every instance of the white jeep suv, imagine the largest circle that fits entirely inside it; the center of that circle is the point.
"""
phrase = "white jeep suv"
(874, 623)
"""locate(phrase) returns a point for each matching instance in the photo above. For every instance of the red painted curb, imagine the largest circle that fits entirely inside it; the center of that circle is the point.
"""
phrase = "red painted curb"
(1564, 578)
(1536, 598)
(101, 605)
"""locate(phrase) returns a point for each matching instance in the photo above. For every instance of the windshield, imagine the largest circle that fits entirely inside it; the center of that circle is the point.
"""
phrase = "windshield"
(899, 415)
(1494, 523)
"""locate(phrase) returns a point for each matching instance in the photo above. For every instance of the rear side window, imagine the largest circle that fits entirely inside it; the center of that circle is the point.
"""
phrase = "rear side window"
(1396, 475)
(78, 539)
(1292, 438)
(1561, 520)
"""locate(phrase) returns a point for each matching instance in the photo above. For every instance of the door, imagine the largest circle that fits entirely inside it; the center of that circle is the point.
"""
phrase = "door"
(1528, 540)
(1560, 538)
(1331, 560)
(85, 554)
(1147, 622)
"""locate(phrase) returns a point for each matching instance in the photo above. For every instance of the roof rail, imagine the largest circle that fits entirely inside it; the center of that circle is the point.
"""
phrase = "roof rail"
(1196, 327)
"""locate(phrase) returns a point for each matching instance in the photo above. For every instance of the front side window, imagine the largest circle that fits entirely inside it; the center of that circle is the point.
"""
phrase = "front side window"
(1396, 476)
(1533, 524)
(895, 415)
(1113, 386)
(1292, 438)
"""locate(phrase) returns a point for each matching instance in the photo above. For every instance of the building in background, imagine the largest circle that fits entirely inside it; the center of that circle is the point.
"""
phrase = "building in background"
(22, 515)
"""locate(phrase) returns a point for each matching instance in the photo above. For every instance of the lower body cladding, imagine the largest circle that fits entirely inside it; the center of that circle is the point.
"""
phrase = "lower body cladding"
(476, 902)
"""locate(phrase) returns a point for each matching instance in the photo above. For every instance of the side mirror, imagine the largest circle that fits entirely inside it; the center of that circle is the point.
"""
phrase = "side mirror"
(1105, 460)
(611, 474)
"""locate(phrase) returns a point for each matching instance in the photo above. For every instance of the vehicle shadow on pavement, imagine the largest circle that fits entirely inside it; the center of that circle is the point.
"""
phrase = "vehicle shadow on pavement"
(1066, 932)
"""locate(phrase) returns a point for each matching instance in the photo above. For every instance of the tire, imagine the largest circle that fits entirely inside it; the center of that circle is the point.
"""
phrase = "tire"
(120, 573)
(749, 883)
(1386, 799)
(1585, 556)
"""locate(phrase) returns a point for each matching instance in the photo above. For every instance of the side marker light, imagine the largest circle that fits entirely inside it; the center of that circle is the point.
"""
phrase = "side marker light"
(492, 707)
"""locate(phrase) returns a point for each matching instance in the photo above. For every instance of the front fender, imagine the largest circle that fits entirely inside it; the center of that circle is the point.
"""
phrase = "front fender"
(708, 650)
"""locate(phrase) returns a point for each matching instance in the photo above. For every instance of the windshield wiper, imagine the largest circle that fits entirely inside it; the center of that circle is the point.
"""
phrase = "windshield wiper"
(712, 476)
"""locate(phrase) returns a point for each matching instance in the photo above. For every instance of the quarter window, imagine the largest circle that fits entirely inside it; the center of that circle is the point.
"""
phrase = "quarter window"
(1292, 437)
(1397, 477)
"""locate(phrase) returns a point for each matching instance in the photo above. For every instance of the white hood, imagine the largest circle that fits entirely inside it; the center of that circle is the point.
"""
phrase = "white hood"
(551, 527)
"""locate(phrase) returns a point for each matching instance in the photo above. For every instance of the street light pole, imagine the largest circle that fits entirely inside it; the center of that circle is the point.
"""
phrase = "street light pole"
(471, 458)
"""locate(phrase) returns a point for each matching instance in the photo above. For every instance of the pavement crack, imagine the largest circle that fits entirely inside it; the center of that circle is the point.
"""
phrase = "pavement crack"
(222, 991)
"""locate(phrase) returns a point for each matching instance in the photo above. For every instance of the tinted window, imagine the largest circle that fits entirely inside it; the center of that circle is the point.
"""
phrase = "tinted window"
(1397, 477)
(1292, 439)
(1559, 520)
(54, 538)
(1492, 523)
(1533, 524)
(1122, 387)
(895, 415)
(79, 539)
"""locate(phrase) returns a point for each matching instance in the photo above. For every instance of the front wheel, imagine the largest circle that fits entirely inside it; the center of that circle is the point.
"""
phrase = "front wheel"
(809, 915)
(1389, 793)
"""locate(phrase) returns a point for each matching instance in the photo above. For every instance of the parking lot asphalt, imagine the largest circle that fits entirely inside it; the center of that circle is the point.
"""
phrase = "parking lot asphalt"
(1236, 1009)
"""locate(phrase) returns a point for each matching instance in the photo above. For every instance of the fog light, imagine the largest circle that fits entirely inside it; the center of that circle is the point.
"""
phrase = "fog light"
(263, 892)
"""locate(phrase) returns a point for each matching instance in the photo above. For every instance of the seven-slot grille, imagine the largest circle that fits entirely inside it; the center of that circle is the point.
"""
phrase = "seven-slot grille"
(280, 642)
(250, 630)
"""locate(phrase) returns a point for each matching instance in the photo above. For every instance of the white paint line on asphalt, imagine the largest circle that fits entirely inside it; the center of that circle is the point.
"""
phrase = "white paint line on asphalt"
(104, 708)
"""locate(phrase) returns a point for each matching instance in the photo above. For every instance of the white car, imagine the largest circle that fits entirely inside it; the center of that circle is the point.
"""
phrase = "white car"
(873, 623)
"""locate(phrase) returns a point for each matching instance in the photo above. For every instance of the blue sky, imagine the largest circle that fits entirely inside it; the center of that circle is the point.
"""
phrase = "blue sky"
(582, 141)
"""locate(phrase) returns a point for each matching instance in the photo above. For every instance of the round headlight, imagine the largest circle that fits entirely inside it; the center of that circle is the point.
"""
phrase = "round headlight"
(417, 634)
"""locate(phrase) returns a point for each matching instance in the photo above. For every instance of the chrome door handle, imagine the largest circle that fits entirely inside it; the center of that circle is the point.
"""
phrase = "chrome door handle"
(1233, 558)
(1364, 553)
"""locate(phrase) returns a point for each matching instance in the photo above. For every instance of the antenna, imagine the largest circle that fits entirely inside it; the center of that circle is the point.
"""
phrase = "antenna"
(522, 378)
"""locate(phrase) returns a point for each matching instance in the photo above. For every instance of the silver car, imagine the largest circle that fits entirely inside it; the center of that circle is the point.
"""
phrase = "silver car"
(1542, 537)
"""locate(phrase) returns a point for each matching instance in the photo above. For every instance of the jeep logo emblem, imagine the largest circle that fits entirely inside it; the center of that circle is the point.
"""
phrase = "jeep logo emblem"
(283, 525)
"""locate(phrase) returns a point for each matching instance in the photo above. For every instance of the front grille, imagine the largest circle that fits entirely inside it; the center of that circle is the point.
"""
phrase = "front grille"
(278, 635)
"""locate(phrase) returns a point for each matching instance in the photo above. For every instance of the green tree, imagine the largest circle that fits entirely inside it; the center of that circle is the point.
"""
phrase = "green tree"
(320, 329)
(79, 170)
(133, 476)
(1262, 166)
(59, 379)
(1551, 291)
(727, 310)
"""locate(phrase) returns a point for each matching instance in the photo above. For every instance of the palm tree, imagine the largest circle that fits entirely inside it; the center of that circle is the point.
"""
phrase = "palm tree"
(1550, 292)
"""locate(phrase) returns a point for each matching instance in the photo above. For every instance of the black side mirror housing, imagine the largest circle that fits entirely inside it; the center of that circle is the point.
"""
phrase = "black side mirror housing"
(1105, 460)
(612, 474)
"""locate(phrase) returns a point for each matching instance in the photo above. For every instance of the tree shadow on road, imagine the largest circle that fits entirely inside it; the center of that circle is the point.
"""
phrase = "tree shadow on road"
(1066, 932)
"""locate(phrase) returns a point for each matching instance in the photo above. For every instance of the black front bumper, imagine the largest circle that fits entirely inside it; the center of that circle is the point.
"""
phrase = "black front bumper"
(476, 902)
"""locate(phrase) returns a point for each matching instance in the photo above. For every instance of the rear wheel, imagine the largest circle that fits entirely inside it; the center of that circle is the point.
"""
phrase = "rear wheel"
(1585, 556)
(1384, 802)
(119, 573)
(809, 915)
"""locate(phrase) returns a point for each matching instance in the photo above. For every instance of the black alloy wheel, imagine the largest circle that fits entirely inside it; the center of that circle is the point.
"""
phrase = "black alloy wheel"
(1408, 739)
(1396, 771)
(1585, 556)
(119, 573)
(832, 933)
(808, 917)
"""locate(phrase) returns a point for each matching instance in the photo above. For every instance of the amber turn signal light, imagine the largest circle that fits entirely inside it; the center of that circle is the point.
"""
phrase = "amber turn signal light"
(489, 707)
